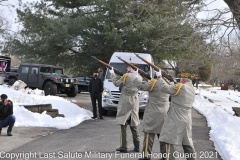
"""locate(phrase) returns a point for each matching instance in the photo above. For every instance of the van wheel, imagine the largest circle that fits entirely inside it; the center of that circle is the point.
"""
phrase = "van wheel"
(11, 82)
(50, 88)
(104, 112)
(73, 91)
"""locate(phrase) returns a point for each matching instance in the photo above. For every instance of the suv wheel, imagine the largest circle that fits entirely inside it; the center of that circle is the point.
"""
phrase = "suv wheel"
(73, 91)
(50, 88)
(11, 82)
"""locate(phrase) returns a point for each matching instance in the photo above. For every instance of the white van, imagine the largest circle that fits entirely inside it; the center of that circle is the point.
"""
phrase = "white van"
(111, 94)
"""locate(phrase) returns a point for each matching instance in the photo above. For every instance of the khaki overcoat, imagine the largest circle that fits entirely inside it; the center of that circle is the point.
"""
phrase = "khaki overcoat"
(128, 105)
(177, 127)
(156, 108)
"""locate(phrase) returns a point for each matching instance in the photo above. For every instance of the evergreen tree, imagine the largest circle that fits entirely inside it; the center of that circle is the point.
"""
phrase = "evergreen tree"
(52, 29)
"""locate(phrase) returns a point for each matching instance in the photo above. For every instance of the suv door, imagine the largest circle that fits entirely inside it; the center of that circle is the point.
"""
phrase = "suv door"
(23, 75)
(33, 77)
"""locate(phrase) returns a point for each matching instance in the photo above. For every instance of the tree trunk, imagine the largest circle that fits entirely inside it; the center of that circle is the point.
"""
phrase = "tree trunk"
(234, 6)
(197, 82)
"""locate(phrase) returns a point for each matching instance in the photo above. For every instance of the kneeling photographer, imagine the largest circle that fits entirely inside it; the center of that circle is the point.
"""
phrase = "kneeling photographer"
(7, 119)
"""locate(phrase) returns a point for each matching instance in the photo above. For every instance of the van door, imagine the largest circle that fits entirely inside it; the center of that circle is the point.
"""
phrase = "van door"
(33, 77)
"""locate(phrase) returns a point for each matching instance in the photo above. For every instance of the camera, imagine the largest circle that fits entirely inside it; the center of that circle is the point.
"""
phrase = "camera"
(4, 100)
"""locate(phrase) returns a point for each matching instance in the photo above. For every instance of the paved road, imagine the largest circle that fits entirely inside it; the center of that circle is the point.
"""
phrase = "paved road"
(98, 139)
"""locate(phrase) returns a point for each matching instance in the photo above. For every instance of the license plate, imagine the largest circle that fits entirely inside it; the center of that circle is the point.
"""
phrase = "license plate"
(67, 85)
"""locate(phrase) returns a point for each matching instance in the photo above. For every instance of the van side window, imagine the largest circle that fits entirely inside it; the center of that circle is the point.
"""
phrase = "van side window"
(25, 70)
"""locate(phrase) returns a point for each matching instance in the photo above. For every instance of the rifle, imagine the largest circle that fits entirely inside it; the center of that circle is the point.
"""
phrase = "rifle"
(142, 73)
(165, 75)
(108, 66)
(103, 63)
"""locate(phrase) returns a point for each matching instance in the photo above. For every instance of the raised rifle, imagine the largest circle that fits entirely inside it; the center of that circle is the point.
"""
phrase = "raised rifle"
(103, 63)
(141, 72)
(108, 66)
(165, 75)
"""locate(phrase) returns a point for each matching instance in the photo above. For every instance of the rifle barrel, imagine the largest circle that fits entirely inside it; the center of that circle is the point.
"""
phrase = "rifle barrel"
(142, 73)
(165, 75)
(95, 58)
(103, 63)
(108, 66)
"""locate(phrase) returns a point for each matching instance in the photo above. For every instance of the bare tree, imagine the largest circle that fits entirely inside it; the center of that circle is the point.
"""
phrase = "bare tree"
(220, 23)
(3, 29)
(234, 6)
(4, 23)
(226, 62)
(15, 61)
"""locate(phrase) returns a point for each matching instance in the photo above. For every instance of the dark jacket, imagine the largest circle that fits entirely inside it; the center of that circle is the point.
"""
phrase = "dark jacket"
(95, 86)
(5, 110)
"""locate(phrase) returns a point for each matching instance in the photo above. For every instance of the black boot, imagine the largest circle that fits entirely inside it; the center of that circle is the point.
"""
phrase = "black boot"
(122, 149)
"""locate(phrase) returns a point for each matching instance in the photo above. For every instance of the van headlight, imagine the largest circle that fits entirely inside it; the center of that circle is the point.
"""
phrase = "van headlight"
(106, 93)
(144, 95)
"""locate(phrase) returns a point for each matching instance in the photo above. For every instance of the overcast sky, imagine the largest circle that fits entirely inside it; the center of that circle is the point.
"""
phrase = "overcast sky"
(8, 10)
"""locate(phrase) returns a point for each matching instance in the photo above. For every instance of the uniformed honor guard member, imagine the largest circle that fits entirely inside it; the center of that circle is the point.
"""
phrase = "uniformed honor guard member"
(177, 127)
(154, 114)
(128, 107)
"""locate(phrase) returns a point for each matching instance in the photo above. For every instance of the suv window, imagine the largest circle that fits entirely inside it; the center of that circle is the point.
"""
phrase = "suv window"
(24, 69)
(14, 69)
(45, 70)
(88, 79)
(50, 70)
(81, 79)
(34, 70)
(57, 70)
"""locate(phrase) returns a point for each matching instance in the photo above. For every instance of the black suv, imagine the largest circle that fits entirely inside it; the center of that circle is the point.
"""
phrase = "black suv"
(83, 83)
(43, 76)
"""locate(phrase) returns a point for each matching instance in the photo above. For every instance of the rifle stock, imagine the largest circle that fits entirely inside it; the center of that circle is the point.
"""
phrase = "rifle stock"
(141, 72)
(108, 66)
(165, 75)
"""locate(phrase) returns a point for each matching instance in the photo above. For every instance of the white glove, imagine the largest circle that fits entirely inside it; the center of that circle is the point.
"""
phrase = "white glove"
(159, 73)
(135, 73)
(111, 70)
(172, 83)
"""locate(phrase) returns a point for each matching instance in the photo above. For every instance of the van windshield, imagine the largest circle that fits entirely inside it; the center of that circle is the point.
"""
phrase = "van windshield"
(122, 67)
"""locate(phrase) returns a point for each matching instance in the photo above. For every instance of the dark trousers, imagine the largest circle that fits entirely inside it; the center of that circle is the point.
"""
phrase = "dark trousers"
(96, 98)
(9, 121)
(135, 134)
